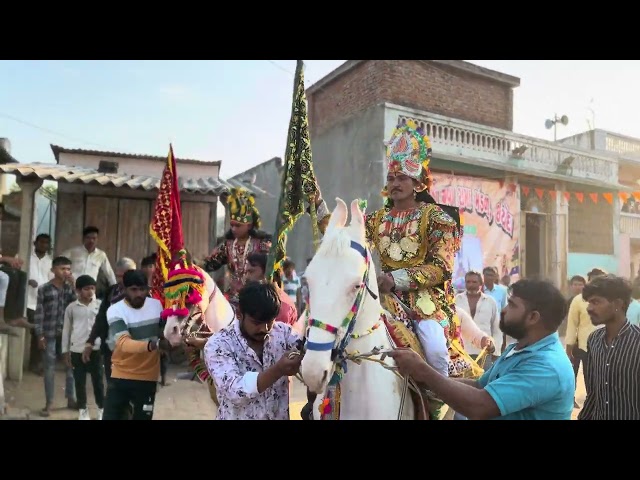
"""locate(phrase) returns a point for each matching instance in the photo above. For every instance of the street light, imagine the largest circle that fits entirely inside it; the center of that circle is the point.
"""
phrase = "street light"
(564, 120)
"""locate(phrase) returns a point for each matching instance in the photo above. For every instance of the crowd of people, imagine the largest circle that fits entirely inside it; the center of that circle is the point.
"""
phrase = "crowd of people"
(114, 338)
(440, 335)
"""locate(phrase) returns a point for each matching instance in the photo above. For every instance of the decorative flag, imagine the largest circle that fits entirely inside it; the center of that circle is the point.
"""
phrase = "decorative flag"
(166, 226)
(298, 179)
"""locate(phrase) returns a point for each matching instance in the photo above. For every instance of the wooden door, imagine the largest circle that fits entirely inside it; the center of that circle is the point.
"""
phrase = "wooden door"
(133, 229)
(196, 228)
(102, 212)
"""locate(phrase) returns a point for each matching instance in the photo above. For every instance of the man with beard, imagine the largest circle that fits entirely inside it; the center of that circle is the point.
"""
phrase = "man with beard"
(532, 380)
(135, 329)
(251, 359)
(612, 365)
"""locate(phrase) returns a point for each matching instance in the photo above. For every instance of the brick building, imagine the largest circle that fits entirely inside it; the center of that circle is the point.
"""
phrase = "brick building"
(467, 111)
(446, 87)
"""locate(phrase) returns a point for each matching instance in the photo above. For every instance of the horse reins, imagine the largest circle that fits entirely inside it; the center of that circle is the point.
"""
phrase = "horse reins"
(338, 352)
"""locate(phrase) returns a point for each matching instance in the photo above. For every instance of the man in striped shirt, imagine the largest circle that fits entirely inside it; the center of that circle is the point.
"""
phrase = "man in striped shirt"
(134, 337)
(612, 366)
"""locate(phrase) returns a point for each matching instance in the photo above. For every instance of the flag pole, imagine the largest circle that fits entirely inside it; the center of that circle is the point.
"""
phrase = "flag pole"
(298, 178)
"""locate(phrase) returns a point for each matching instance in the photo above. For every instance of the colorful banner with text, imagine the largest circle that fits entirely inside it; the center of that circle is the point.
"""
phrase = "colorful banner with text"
(491, 215)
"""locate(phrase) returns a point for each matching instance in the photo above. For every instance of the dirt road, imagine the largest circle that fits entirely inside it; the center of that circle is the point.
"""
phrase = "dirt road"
(181, 400)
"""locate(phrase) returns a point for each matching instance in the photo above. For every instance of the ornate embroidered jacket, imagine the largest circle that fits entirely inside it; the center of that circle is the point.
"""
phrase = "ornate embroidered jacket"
(417, 248)
(233, 254)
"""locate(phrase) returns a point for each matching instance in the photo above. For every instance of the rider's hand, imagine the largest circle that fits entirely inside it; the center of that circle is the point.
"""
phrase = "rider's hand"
(386, 283)
(487, 342)
(33, 284)
(317, 197)
(289, 363)
(42, 343)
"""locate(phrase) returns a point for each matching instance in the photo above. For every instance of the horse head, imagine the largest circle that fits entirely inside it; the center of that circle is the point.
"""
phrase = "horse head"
(339, 281)
(181, 326)
(207, 315)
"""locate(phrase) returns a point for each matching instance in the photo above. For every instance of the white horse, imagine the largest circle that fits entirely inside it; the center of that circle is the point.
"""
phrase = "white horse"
(216, 311)
(342, 278)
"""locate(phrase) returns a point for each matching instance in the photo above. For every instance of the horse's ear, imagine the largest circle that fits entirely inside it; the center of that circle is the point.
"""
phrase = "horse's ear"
(339, 215)
(356, 213)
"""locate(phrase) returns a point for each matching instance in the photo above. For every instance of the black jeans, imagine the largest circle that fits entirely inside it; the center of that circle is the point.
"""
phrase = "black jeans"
(106, 356)
(80, 370)
(578, 356)
(121, 393)
(164, 365)
(35, 360)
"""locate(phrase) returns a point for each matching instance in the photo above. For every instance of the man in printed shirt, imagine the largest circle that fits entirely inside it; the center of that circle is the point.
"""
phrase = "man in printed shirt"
(88, 259)
(134, 337)
(251, 359)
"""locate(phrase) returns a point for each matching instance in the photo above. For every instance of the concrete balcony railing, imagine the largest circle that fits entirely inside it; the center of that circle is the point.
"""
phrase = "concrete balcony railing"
(630, 224)
(457, 138)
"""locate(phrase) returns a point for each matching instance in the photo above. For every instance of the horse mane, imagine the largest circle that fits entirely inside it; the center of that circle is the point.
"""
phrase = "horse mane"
(336, 242)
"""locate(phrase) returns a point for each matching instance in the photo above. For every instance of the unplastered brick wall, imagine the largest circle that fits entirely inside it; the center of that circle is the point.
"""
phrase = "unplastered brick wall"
(419, 84)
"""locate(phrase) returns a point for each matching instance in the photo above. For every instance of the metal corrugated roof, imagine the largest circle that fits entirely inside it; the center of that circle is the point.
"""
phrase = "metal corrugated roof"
(57, 150)
(64, 173)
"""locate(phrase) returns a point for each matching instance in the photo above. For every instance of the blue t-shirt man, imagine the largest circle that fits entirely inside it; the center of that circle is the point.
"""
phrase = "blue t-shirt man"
(535, 383)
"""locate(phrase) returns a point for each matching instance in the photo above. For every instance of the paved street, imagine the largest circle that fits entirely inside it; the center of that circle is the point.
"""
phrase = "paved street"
(180, 400)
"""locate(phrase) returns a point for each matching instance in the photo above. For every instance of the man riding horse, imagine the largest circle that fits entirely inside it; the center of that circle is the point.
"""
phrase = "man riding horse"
(416, 241)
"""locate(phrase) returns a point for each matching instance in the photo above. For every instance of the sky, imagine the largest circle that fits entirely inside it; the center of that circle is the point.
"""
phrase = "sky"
(238, 111)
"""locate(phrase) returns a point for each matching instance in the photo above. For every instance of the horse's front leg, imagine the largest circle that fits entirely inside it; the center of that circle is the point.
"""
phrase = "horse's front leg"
(309, 411)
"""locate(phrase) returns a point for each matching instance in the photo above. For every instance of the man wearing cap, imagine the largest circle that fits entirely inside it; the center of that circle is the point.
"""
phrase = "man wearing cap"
(135, 328)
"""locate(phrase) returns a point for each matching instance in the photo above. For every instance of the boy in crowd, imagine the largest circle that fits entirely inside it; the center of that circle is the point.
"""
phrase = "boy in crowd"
(53, 299)
(79, 318)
